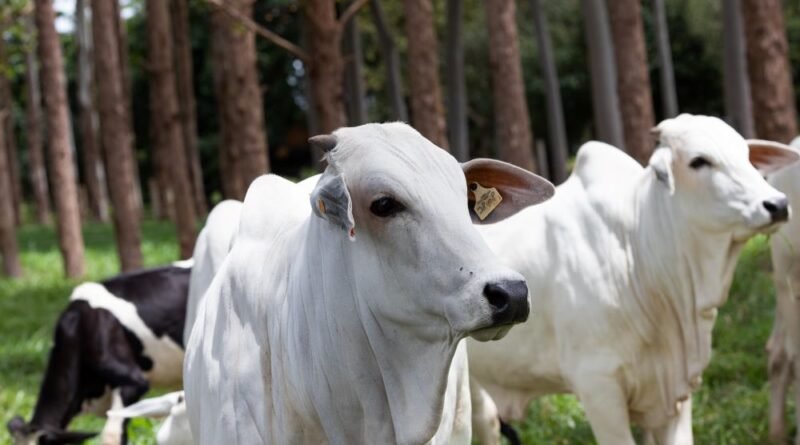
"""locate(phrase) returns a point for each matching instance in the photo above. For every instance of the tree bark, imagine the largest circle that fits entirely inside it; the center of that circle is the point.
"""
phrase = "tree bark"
(556, 133)
(9, 251)
(62, 167)
(669, 97)
(391, 61)
(94, 173)
(166, 125)
(7, 102)
(633, 80)
(768, 66)
(605, 101)
(35, 130)
(456, 84)
(240, 103)
(427, 111)
(513, 133)
(327, 65)
(185, 83)
(354, 74)
(738, 107)
(115, 133)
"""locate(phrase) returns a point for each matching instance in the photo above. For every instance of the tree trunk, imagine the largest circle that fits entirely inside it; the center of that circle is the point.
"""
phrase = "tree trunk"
(605, 101)
(633, 80)
(7, 103)
(511, 120)
(391, 61)
(62, 167)
(768, 67)
(185, 83)
(557, 134)
(35, 130)
(166, 122)
(669, 97)
(327, 65)
(427, 111)
(115, 133)
(354, 74)
(94, 173)
(456, 84)
(9, 252)
(240, 103)
(738, 107)
(232, 182)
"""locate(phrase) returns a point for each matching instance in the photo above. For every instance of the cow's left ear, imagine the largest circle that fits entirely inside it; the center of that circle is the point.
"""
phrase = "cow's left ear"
(769, 156)
(497, 190)
(330, 199)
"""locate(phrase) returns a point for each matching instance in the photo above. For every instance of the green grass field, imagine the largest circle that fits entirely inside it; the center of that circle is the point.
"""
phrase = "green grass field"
(731, 407)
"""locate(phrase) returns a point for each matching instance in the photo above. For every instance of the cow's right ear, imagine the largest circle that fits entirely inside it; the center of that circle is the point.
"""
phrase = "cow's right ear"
(497, 190)
(661, 163)
(770, 156)
(330, 199)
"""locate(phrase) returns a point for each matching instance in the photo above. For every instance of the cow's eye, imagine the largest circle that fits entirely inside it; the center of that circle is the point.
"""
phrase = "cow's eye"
(386, 206)
(699, 162)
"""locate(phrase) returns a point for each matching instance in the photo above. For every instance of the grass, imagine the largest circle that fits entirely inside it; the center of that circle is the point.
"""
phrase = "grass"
(730, 408)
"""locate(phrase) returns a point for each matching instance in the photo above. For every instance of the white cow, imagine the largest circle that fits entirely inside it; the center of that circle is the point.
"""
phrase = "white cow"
(627, 267)
(340, 326)
(784, 343)
(175, 428)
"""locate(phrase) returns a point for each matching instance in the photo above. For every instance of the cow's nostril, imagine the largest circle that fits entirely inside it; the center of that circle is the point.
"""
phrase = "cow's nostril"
(509, 299)
(778, 209)
(496, 295)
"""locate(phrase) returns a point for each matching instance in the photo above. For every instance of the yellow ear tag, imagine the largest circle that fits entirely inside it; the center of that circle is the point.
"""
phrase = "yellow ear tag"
(486, 200)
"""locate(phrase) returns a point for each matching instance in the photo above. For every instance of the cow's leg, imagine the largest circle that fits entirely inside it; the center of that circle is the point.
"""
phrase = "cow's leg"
(779, 378)
(606, 408)
(114, 427)
(485, 422)
(678, 431)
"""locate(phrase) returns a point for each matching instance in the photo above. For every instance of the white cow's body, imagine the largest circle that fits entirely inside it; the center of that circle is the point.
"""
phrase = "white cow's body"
(310, 334)
(626, 297)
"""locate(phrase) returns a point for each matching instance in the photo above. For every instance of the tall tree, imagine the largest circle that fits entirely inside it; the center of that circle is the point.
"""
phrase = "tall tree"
(738, 108)
(94, 172)
(556, 133)
(185, 81)
(605, 101)
(62, 168)
(354, 74)
(456, 83)
(391, 61)
(769, 71)
(115, 133)
(669, 97)
(239, 100)
(9, 252)
(327, 65)
(166, 126)
(427, 110)
(512, 122)
(633, 80)
(7, 103)
(34, 130)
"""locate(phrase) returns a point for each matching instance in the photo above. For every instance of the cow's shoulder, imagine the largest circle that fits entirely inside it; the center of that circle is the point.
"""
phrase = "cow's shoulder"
(272, 203)
(598, 164)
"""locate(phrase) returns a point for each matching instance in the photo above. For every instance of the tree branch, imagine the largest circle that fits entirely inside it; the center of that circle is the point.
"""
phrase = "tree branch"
(248, 23)
(351, 11)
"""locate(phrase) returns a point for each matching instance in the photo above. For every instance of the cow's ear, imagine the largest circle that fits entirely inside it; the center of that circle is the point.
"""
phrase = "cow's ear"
(67, 437)
(331, 201)
(661, 162)
(497, 190)
(769, 156)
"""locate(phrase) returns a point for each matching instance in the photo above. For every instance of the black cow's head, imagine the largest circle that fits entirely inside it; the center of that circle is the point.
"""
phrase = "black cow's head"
(28, 434)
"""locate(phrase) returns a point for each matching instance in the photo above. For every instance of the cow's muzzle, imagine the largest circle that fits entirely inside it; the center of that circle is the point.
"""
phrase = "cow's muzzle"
(778, 209)
(509, 301)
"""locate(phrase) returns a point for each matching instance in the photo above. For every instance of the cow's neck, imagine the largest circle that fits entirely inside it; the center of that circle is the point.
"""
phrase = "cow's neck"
(682, 275)
(401, 370)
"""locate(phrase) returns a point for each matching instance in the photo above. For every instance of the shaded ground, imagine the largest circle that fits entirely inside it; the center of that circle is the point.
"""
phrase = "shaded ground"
(731, 407)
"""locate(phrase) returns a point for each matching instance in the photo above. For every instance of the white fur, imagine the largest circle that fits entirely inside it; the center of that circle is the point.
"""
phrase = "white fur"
(174, 430)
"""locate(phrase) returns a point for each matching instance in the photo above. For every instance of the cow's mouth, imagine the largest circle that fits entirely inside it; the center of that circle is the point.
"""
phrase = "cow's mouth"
(491, 333)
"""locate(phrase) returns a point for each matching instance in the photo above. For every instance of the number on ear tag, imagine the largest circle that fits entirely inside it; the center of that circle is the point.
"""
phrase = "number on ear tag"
(486, 200)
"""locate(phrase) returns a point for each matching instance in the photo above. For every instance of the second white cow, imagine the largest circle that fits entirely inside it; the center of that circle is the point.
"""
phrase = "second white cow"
(637, 262)
(341, 326)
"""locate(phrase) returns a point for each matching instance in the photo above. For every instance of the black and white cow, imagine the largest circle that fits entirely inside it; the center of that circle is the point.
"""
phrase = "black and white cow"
(114, 340)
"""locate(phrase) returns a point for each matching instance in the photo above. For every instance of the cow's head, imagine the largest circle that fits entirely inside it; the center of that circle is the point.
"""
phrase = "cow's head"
(406, 206)
(27, 434)
(717, 177)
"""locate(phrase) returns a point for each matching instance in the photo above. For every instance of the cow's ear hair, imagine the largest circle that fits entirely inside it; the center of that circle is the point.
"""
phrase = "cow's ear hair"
(769, 156)
(661, 162)
(67, 437)
(517, 187)
(331, 201)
